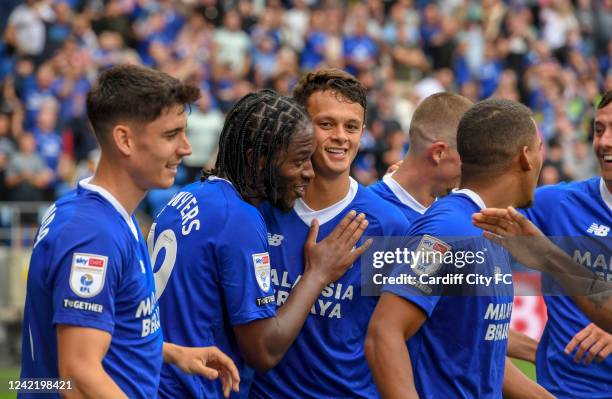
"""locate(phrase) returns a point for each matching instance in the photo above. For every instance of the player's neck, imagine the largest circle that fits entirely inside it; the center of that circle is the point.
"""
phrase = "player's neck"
(415, 181)
(119, 183)
(324, 191)
(497, 193)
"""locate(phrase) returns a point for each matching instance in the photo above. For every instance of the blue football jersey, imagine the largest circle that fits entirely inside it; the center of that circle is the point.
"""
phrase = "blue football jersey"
(327, 359)
(460, 350)
(90, 268)
(209, 251)
(392, 192)
(578, 216)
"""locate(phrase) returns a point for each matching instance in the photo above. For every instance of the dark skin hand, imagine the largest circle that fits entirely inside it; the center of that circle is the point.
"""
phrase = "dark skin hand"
(263, 342)
(513, 231)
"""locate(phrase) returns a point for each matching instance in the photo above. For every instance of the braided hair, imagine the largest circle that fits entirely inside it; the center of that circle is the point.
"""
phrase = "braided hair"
(263, 122)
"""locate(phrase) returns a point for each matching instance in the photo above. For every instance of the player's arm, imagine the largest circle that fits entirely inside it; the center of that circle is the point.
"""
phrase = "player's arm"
(520, 346)
(209, 362)
(529, 246)
(518, 386)
(393, 322)
(80, 352)
(263, 342)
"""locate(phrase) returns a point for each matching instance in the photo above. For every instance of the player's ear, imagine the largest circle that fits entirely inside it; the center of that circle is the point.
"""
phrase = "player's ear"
(122, 137)
(524, 160)
(437, 151)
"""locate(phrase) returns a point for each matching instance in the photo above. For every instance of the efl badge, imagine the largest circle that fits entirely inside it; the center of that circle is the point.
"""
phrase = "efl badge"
(87, 274)
(261, 262)
(431, 254)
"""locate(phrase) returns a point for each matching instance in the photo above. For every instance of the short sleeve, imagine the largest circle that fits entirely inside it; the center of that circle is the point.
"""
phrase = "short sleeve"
(426, 303)
(425, 300)
(245, 268)
(410, 280)
(84, 276)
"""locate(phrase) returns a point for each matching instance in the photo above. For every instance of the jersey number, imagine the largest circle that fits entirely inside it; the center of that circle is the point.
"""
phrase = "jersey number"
(167, 241)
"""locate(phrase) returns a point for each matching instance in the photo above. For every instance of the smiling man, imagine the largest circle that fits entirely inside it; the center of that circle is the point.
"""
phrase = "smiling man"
(90, 312)
(327, 358)
(210, 246)
(583, 211)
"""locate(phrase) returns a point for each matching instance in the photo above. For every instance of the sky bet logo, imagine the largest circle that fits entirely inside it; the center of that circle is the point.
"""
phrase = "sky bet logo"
(82, 261)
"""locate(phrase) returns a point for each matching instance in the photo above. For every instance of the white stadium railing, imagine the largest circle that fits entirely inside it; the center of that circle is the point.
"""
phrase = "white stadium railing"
(18, 225)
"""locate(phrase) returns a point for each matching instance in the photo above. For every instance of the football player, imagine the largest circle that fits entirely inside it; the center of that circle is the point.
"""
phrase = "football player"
(210, 246)
(91, 313)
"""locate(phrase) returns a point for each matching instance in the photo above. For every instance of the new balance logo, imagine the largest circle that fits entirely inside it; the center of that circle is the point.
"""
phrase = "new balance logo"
(275, 240)
(599, 230)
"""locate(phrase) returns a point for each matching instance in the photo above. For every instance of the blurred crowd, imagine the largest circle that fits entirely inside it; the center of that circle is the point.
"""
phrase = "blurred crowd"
(553, 55)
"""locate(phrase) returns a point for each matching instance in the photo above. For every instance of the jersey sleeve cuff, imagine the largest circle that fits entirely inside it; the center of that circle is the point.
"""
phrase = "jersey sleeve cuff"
(80, 321)
(421, 301)
(244, 318)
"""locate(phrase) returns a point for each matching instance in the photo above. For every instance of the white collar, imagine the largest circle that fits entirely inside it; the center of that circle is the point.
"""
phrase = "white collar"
(306, 213)
(605, 193)
(403, 195)
(477, 199)
(85, 183)
(213, 177)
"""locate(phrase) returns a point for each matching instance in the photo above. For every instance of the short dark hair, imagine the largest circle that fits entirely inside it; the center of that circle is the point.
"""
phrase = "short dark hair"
(336, 80)
(263, 122)
(134, 93)
(605, 100)
(491, 133)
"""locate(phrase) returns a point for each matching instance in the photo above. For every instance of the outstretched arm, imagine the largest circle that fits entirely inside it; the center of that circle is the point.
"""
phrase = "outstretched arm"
(532, 248)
